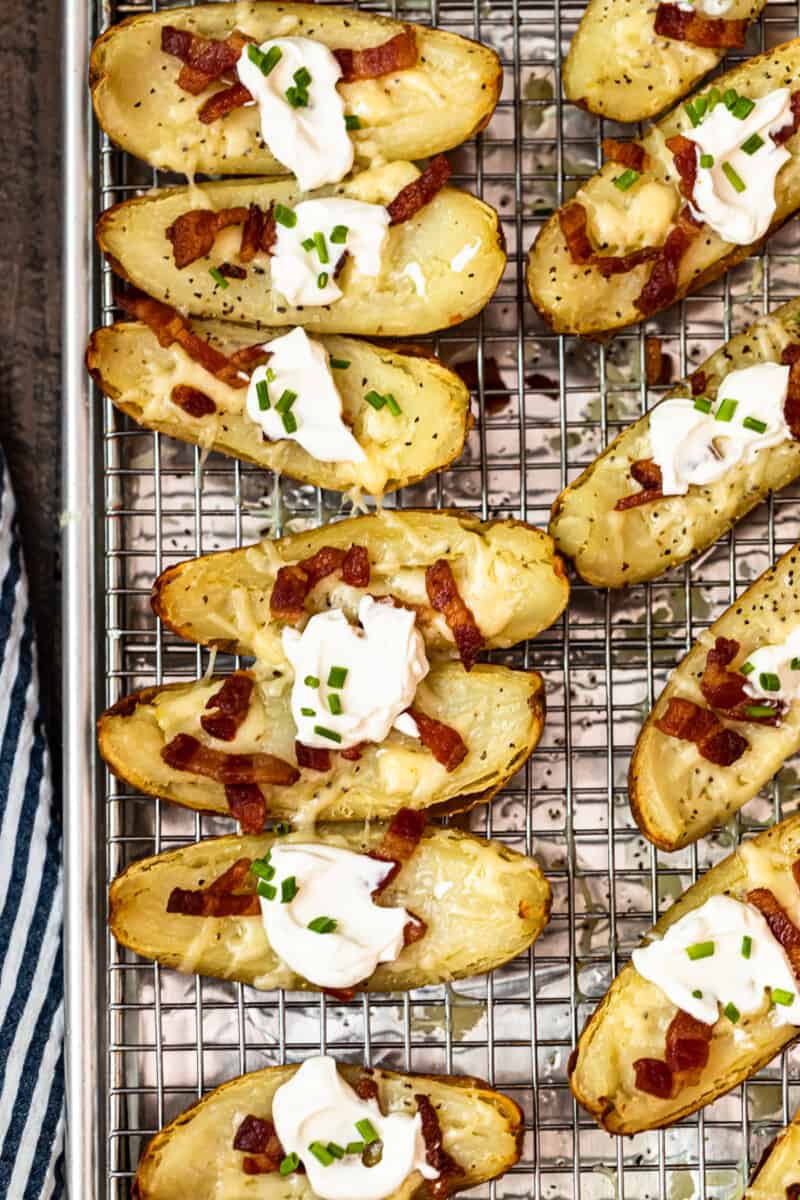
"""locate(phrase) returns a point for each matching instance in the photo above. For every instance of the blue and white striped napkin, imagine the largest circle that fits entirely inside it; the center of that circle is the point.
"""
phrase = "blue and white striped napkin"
(31, 983)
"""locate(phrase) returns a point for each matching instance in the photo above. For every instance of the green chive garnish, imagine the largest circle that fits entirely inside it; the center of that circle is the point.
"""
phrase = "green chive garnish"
(747, 946)
(262, 868)
(288, 889)
(307, 244)
(626, 180)
(375, 399)
(780, 996)
(311, 681)
(322, 247)
(336, 1150)
(330, 734)
(769, 682)
(270, 60)
(691, 114)
(392, 405)
(714, 98)
(302, 77)
(285, 216)
(289, 421)
(263, 395)
(267, 890)
(321, 1153)
(730, 97)
(731, 1012)
(322, 925)
(289, 1164)
(339, 364)
(270, 375)
(743, 107)
(339, 235)
(281, 829)
(698, 995)
(747, 668)
(754, 424)
(335, 704)
(759, 710)
(734, 179)
(218, 277)
(753, 143)
(297, 97)
(367, 1131)
(322, 279)
(255, 55)
(352, 121)
(702, 404)
(706, 160)
(286, 401)
(795, 664)
(308, 712)
(726, 410)
(700, 950)
(700, 105)
(337, 676)
(355, 1148)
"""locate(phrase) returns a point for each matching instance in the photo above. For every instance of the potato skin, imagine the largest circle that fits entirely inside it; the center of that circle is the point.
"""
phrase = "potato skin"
(496, 904)
(482, 1130)
(779, 1166)
(578, 299)
(405, 115)
(615, 549)
(618, 68)
(498, 712)
(632, 1019)
(132, 235)
(676, 796)
(138, 374)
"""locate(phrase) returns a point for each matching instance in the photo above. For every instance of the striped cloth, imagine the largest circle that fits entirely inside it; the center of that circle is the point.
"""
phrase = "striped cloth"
(31, 984)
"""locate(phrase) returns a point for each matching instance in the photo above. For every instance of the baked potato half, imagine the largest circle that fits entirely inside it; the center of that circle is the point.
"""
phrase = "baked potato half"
(438, 268)
(619, 67)
(407, 114)
(676, 795)
(580, 299)
(482, 904)
(613, 548)
(194, 1156)
(632, 1019)
(779, 1169)
(506, 571)
(127, 361)
(498, 712)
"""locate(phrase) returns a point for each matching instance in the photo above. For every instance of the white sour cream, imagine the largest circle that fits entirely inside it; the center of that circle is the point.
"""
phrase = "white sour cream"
(311, 141)
(776, 660)
(300, 275)
(300, 365)
(385, 661)
(335, 883)
(709, 8)
(317, 1105)
(726, 976)
(740, 217)
(693, 447)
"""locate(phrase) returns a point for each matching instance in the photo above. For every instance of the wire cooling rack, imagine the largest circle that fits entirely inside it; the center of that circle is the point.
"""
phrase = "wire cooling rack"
(145, 1042)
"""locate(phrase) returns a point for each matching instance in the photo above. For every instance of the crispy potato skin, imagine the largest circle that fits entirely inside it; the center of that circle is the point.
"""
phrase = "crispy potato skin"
(138, 374)
(193, 1155)
(779, 1166)
(619, 69)
(676, 795)
(499, 713)
(577, 299)
(506, 571)
(615, 549)
(406, 115)
(496, 903)
(632, 1019)
(395, 303)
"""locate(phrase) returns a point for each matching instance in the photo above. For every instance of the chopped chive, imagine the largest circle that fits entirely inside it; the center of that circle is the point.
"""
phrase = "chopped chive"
(308, 712)
(267, 890)
(726, 410)
(747, 668)
(351, 121)
(262, 394)
(367, 1131)
(702, 404)
(743, 107)
(336, 1150)
(289, 1164)
(375, 399)
(311, 681)
(714, 98)
(795, 664)
(392, 405)
(297, 97)
(732, 1013)
(354, 1148)
(322, 925)
(270, 376)
(337, 676)
(322, 247)
(285, 216)
(759, 710)
(289, 421)
(270, 60)
(307, 244)
(255, 55)
(730, 97)
(335, 704)
(330, 734)
(262, 868)
(747, 946)
(302, 77)
(281, 829)
(769, 682)
(733, 178)
(754, 424)
(691, 114)
(753, 143)
(706, 160)
(339, 364)
(321, 1153)
(286, 401)
(700, 105)
(780, 996)
(698, 995)
(322, 279)
(626, 180)
(288, 889)
(339, 235)
(218, 277)
(700, 950)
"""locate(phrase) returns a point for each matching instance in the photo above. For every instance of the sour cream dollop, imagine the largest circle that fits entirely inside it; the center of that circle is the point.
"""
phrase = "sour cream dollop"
(733, 972)
(385, 661)
(299, 365)
(317, 1105)
(740, 215)
(306, 277)
(335, 883)
(695, 447)
(775, 662)
(311, 140)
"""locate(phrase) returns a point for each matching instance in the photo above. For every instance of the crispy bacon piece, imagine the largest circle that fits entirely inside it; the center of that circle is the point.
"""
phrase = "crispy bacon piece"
(355, 567)
(697, 382)
(783, 135)
(684, 153)
(259, 233)
(414, 931)
(791, 405)
(415, 195)
(445, 743)
(259, 1140)
(654, 1077)
(435, 1154)
(445, 598)
(725, 691)
(353, 753)
(312, 758)
(185, 753)
(686, 720)
(192, 234)
(204, 59)
(223, 102)
(656, 363)
(232, 700)
(688, 1043)
(399, 842)
(287, 600)
(780, 923)
(627, 154)
(647, 473)
(574, 222)
(293, 583)
(366, 1088)
(193, 402)
(219, 899)
(662, 284)
(248, 806)
(793, 1191)
(250, 357)
(715, 33)
(398, 54)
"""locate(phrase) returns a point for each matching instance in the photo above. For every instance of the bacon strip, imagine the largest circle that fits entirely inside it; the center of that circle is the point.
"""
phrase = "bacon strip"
(574, 222)
(366, 1088)
(415, 195)
(400, 840)
(627, 154)
(435, 1154)
(688, 1043)
(656, 364)
(250, 357)
(445, 598)
(791, 405)
(192, 234)
(355, 567)
(398, 54)
(312, 758)
(715, 33)
(204, 59)
(697, 382)
(259, 1140)
(782, 927)
(662, 285)
(259, 233)
(185, 753)
(684, 153)
(688, 721)
(232, 700)
(221, 103)
(193, 402)
(725, 690)
(653, 1077)
(248, 806)
(294, 583)
(445, 743)
(219, 899)
(783, 135)
(646, 472)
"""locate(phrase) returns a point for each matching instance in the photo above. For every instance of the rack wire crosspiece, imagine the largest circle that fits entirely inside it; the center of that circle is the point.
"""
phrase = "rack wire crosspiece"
(545, 405)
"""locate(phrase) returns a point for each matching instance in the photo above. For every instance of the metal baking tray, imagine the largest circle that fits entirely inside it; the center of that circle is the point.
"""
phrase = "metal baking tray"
(143, 1043)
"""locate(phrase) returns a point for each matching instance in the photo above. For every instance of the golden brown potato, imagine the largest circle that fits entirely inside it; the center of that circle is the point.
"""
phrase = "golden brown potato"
(779, 1168)
(437, 269)
(482, 904)
(632, 1019)
(613, 549)
(619, 68)
(498, 712)
(138, 374)
(405, 115)
(506, 572)
(579, 299)
(194, 1155)
(676, 795)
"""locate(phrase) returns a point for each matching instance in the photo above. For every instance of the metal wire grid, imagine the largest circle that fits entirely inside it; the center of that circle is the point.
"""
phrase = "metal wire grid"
(544, 405)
